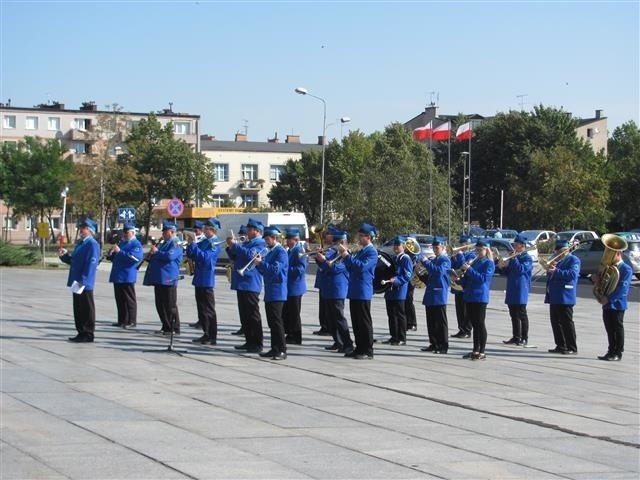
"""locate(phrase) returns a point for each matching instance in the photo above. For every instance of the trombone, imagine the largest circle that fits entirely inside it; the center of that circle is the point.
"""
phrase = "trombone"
(251, 265)
(462, 248)
(547, 263)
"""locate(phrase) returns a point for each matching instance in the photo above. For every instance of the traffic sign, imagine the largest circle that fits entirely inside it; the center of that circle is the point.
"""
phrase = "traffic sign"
(175, 207)
(126, 214)
(43, 230)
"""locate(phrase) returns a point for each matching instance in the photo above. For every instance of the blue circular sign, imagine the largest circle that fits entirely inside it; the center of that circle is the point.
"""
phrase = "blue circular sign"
(175, 207)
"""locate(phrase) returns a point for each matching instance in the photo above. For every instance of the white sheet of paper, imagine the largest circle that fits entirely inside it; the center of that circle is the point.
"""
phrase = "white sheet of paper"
(76, 287)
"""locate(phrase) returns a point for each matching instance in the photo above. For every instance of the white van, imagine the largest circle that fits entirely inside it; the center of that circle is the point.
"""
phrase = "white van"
(283, 220)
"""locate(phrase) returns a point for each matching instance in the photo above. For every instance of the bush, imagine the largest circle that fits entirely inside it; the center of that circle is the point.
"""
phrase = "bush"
(11, 255)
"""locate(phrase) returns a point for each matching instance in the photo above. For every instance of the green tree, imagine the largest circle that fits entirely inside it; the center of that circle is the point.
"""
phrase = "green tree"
(623, 167)
(164, 167)
(36, 172)
(570, 191)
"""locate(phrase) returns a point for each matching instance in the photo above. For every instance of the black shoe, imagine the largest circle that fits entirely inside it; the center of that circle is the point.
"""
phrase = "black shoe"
(478, 356)
(81, 339)
(557, 350)
(468, 355)
(332, 348)
(210, 342)
(161, 332)
(322, 333)
(254, 350)
(129, 326)
(350, 354)
(569, 352)
(203, 339)
(466, 335)
(241, 347)
(279, 356)
(457, 335)
(606, 357)
(362, 356)
(75, 339)
(615, 358)
(413, 328)
(401, 342)
(196, 325)
(522, 343)
(511, 341)
(440, 352)
(270, 353)
(238, 332)
(390, 341)
(430, 348)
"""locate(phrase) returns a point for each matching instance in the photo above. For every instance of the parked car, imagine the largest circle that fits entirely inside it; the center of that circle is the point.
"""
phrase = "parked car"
(424, 240)
(508, 234)
(505, 247)
(629, 235)
(535, 236)
(573, 236)
(590, 254)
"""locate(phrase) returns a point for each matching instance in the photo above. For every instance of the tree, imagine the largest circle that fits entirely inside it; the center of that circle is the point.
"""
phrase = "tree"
(164, 167)
(569, 190)
(36, 172)
(623, 167)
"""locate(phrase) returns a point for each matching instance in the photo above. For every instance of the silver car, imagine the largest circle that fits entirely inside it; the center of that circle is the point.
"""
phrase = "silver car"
(590, 254)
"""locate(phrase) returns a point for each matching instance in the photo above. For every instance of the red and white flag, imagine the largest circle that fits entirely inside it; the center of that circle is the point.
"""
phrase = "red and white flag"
(423, 133)
(442, 132)
(464, 132)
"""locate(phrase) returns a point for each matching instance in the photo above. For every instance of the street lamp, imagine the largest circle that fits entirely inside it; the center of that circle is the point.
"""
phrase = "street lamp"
(63, 227)
(468, 155)
(304, 91)
(343, 120)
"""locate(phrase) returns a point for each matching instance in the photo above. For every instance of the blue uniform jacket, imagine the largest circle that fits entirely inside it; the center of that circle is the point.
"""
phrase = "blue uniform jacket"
(164, 265)
(563, 283)
(404, 271)
(518, 273)
(124, 263)
(274, 267)
(335, 278)
(84, 263)
(205, 255)
(437, 290)
(361, 267)
(457, 261)
(477, 281)
(618, 298)
(241, 255)
(296, 277)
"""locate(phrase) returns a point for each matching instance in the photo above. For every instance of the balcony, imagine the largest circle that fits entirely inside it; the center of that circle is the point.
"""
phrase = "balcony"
(250, 186)
(77, 135)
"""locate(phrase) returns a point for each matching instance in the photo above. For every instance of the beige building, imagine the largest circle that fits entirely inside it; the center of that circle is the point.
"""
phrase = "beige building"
(72, 127)
(246, 171)
(594, 131)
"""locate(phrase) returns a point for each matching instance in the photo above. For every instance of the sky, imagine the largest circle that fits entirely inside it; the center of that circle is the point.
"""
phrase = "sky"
(236, 64)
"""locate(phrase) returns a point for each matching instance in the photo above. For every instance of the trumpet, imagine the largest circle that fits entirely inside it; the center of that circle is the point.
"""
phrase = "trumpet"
(456, 275)
(462, 248)
(547, 263)
(504, 261)
(251, 265)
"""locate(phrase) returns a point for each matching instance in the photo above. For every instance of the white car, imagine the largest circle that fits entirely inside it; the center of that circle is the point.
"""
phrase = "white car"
(576, 236)
(535, 236)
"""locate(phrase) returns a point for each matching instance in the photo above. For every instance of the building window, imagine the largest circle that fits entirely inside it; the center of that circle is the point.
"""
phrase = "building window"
(11, 142)
(249, 172)
(81, 123)
(10, 222)
(249, 200)
(31, 123)
(79, 147)
(131, 124)
(9, 121)
(53, 123)
(275, 172)
(221, 172)
(182, 128)
(220, 199)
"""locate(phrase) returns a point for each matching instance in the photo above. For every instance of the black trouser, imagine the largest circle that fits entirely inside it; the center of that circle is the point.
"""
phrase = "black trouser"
(464, 324)
(410, 309)
(322, 315)
(360, 311)
(206, 305)
(397, 320)
(167, 307)
(477, 313)
(437, 327)
(337, 323)
(519, 321)
(276, 325)
(84, 313)
(613, 324)
(564, 331)
(292, 321)
(126, 303)
(250, 318)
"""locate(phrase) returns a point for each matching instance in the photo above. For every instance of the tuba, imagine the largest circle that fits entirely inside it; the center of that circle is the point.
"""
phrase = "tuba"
(608, 276)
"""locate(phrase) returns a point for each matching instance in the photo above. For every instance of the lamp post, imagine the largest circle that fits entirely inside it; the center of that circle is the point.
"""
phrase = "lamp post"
(303, 91)
(343, 120)
(466, 155)
(63, 227)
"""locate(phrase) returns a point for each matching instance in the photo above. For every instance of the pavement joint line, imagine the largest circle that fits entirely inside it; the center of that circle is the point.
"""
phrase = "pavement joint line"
(35, 457)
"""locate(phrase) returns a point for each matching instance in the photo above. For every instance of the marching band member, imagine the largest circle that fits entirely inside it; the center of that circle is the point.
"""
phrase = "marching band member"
(320, 285)
(613, 308)
(518, 270)
(477, 280)
(361, 266)
(396, 296)
(204, 254)
(274, 266)
(163, 272)
(410, 309)
(82, 276)
(562, 284)
(457, 260)
(125, 257)
(335, 287)
(242, 237)
(435, 298)
(249, 285)
(296, 286)
(198, 230)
